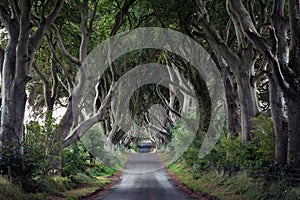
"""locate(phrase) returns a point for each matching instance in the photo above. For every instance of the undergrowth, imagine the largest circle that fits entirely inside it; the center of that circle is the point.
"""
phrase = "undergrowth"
(235, 187)
(233, 170)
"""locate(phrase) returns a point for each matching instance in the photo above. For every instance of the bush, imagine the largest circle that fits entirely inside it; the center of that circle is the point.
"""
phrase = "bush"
(35, 160)
(81, 178)
(10, 191)
(53, 184)
(74, 159)
(100, 170)
(230, 155)
(22, 169)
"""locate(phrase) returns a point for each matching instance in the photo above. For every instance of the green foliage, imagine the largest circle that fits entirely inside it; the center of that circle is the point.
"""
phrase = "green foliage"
(9, 191)
(244, 169)
(76, 168)
(76, 164)
(264, 136)
(81, 178)
(237, 186)
(53, 184)
(32, 162)
(100, 170)
(230, 155)
(181, 136)
(74, 158)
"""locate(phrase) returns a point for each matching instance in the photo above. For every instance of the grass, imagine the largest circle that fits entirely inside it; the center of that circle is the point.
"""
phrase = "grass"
(78, 185)
(208, 183)
(87, 189)
(89, 185)
(76, 193)
(236, 187)
(12, 192)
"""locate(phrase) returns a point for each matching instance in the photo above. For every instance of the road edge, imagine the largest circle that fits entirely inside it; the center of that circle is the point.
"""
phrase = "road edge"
(183, 187)
(101, 191)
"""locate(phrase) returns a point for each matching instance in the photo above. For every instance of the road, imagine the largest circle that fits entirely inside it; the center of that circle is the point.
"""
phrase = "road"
(145, 178)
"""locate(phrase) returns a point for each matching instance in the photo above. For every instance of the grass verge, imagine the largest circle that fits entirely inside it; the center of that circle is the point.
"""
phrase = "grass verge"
(72, 187)
(236, 187)
(12, 192)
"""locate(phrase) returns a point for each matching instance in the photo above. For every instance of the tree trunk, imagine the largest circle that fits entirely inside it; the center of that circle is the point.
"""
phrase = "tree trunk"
(279, 120)
(293, 107)
(233, 119)
(279, 115)
(293, 101)
(13, 103)
(232, 108)
(7, 114)
(248, 104)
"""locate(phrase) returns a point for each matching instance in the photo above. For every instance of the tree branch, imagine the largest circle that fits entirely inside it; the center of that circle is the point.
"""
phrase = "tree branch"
(62, 48)
(85, 32)
(47, 93)
(93, 16)
(54, 81)
(119, 19)
(65, 71)
(256, 39)
(10, 24)
(227, 31)
(2, 51)
(23, 58)
(165, 102)
(15, 9)
(218, 45)
(203, 10)
(44, 24)
(263, 13)
(294, 16)
(45, 6)
(82, 127)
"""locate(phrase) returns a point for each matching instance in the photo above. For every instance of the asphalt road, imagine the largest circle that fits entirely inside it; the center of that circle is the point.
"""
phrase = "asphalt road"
(144, 178)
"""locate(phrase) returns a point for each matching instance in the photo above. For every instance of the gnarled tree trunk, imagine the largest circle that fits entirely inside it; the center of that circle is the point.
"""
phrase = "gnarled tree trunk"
(248, 104)
(280, 121)
(233, 118)
(293, 106)
(19, 53)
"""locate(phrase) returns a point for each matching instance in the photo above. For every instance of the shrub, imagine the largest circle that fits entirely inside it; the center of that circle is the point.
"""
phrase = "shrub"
(53, 184)
(81, 178)
(230, 155)
(74, 159)
(100, 170)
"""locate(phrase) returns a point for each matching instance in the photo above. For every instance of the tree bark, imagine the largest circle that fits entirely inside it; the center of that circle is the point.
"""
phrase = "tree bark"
(8, 112)
(293, 106)
(279, 115)
(14, 97)
(248, 104)
(232, 107)
(293, 102)
(279, 120)
(233, 118)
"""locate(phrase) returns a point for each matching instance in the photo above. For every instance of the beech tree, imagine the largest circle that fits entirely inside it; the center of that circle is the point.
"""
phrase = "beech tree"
(284, 55)
(236, 59)
(26, 26)
(264, 35)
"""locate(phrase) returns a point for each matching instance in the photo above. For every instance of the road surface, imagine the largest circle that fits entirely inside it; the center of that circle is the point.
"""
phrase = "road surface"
(144, 178)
